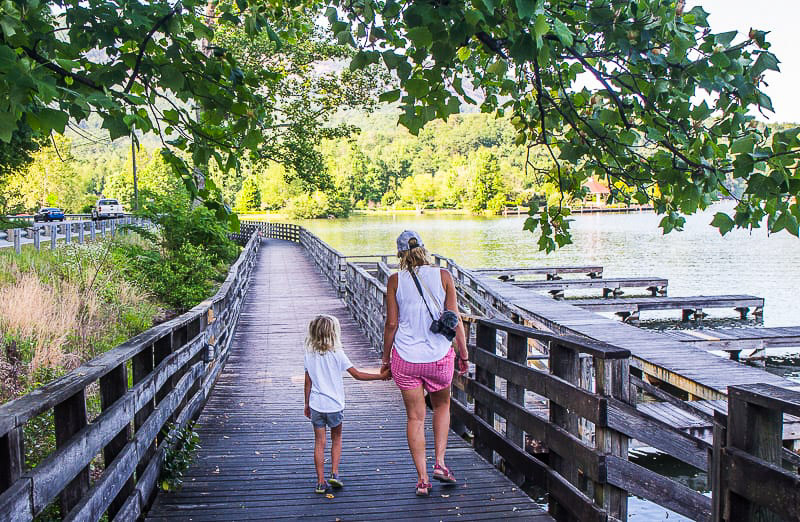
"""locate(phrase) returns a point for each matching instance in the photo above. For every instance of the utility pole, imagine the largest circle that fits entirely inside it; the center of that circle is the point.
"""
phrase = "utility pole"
(133, 161)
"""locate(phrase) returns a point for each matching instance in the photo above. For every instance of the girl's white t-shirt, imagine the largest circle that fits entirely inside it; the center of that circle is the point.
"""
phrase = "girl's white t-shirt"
(327, 387)
(414, 340)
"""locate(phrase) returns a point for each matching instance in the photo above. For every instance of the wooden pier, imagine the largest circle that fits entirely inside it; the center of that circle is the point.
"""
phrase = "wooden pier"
(256, 460)
(609, 286)
(551, 272)
(235, 362)
(691, 307)
(738, 339)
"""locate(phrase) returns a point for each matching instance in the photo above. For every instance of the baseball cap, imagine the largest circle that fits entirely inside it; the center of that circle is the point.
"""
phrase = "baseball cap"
(406, 237)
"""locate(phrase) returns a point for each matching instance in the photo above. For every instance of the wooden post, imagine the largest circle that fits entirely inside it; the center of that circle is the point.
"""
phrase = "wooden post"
(102, 228)
(758, 431)
(113, 385)
(53, 234)
(715, 466)
(161, 350)
(67, 233)
(113, 227)
(11, 451)
(485, 339)
(70, 418)
(18, 240)
(142, 367)
(564, 363)
(612, 378)
(81, 225)
(37, 238)
(517, 351)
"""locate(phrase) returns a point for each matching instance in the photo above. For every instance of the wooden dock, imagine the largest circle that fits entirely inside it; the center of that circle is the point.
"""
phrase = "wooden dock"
(552, 272)
(256, 460)
(610, 286)
(691, 306)
(697, 372)
(738, 339)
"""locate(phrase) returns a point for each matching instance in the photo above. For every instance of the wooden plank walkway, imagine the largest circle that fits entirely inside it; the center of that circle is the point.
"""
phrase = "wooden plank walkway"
(551, 272)
(256, 460)
(692, 369)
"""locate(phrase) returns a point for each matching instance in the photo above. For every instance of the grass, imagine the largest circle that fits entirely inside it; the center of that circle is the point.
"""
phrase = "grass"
(6, 224)
(60, 308)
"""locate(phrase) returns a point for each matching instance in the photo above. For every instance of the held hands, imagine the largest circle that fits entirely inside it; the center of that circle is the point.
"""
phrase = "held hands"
(462, 365)
(386, 371)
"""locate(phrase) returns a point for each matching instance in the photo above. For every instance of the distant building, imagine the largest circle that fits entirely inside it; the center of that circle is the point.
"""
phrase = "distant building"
(598, 193)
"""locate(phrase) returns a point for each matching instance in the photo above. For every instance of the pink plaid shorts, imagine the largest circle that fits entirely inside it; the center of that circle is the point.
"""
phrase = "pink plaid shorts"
(433, 376)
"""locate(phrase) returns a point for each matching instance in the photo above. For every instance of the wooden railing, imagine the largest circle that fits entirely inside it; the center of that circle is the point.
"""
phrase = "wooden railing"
(157, 379)
(748, 479)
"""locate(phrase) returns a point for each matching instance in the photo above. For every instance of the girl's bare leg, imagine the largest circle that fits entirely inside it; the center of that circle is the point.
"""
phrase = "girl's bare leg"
(336, 447)
(415, 429)
(319, 453)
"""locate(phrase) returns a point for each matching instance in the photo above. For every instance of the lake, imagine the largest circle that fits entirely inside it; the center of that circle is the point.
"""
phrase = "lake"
(697, 261)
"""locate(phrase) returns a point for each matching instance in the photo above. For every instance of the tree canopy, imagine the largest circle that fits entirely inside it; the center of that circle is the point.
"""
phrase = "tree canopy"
(641, 93)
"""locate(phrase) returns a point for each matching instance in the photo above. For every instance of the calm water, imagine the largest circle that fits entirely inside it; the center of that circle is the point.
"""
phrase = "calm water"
(697, 261)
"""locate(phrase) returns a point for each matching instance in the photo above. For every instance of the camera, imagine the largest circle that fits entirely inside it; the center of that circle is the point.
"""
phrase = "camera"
(445, 325)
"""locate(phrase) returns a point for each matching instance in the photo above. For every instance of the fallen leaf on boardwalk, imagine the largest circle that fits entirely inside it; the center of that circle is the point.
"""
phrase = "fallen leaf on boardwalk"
(225, 437)
(255, 470)
(241, 404)
(516, 508)
(491, 498)
(377, 469)
(445, 496)
(329, 496)
(216, 470)
(512, 489)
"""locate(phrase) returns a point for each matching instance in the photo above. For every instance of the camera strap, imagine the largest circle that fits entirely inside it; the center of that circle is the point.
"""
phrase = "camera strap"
(421, 294)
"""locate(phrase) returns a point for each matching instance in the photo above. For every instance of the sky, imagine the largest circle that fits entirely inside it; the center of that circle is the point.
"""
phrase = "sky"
(782, 19)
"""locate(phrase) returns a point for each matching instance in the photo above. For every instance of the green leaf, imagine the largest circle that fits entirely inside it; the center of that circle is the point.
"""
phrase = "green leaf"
(743, 145)
(541, 27)
(421, 36)
(464, 53)
(499, 67)
(390, 96)
(562, 32)
(417, 87)
(52, 119)
(723, 222)
(765, 62)
(525, 8)
(523, 48)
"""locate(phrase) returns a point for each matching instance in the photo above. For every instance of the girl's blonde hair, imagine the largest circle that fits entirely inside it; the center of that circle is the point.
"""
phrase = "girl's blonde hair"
(324, 334)
(414, 256)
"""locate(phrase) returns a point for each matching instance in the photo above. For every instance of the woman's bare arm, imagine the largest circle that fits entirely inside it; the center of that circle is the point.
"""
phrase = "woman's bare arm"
(390, 328)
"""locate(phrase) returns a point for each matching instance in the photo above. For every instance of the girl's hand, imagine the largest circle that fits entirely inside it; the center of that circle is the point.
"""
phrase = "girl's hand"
(386, 373)
(463, 366)
(307, 411)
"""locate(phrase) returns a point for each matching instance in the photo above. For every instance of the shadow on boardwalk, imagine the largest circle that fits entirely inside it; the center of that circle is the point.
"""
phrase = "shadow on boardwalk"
(256, 460)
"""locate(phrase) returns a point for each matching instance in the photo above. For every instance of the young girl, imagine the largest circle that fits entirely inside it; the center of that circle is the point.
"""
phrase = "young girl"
(324, 392)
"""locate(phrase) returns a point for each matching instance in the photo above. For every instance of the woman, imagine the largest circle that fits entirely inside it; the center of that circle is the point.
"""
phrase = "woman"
(418, 357)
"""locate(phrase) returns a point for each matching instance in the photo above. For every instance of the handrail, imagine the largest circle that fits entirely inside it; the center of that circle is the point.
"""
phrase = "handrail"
(172, 368)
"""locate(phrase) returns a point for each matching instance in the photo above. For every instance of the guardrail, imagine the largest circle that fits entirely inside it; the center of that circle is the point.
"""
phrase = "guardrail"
(171, 369)
(66, 232)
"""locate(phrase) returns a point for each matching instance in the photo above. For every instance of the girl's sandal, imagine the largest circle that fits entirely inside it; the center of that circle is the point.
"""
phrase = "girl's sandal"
(442, 474)
(423, 488)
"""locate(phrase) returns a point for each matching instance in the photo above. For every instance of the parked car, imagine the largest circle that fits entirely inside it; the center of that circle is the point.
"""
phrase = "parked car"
(107, 208)
(49, 214)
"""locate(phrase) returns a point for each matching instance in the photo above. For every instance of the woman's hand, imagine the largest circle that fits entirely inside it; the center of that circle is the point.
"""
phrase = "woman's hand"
(307, 411)
(463, 365)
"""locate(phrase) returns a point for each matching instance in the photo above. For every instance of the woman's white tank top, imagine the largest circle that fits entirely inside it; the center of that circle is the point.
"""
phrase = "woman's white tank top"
(414, 340)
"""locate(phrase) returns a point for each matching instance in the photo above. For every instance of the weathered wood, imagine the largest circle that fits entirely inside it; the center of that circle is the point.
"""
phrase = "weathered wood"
(624, 418)
(612, 378)
(565, 364)
(69, 418)
(656, 488)
(591, 270)
(763, 484)
(517, 351)
(113, 386)
(486, 340)
(15, 502)
(664, 396)
(142, 367)
(11, 451)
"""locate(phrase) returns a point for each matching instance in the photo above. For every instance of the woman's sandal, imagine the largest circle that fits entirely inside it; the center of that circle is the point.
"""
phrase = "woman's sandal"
(423, 488)
(442, 474)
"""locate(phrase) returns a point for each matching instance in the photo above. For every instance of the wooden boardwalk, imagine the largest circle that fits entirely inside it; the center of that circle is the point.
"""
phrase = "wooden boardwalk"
(735, 339)
(256, 460)
(689, 368)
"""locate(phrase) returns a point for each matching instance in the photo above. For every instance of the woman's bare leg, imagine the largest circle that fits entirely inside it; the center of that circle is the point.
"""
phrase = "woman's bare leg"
(440, 401)
(336, 447)
(415, 429)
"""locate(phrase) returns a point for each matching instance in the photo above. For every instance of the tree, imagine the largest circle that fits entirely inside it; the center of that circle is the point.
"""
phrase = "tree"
(486, 188)
(639, 93)
(249, 198)
(148, 67)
